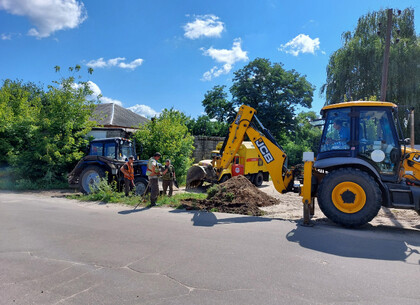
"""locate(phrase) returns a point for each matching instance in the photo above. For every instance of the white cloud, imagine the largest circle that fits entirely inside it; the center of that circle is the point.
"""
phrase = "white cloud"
(115, 62)
(6, 36)
(96, 91)
(226, 57)
(107, 100)
(132, 65)
(204, 25)
(48, 16)
(144, 110)
(300, 44)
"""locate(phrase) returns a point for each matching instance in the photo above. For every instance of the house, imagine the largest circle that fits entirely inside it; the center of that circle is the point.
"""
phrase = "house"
(115, 121)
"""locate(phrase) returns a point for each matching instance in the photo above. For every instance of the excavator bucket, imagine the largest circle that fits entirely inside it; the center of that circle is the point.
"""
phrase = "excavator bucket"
(197, 174)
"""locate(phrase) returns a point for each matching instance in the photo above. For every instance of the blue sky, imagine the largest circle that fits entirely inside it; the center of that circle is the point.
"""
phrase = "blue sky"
(151, 55)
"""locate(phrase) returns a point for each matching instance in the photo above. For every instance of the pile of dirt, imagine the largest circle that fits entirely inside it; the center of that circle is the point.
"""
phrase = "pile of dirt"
(237, 195)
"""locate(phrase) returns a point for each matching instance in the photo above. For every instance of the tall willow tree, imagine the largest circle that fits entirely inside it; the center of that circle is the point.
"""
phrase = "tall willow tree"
(354, 71)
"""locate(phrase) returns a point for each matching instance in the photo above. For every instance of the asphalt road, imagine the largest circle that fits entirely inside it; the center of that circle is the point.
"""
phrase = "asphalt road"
(58, 251)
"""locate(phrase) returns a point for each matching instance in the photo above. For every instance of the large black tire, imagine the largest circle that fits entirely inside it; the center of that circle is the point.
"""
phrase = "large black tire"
(141, 186)
(258, 179)
(349, 197)
(224, 178)
(90, 177)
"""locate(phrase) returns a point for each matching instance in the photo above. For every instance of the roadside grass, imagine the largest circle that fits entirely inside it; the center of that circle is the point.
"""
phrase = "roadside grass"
(119, 197)
(8, 183)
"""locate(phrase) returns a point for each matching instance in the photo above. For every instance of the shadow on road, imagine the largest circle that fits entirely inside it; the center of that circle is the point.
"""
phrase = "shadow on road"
(126, 212)
(208, 219)
(368, 242)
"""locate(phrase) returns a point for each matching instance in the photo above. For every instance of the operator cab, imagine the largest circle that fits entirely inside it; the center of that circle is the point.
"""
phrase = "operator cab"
(114, 148)
(362, 130)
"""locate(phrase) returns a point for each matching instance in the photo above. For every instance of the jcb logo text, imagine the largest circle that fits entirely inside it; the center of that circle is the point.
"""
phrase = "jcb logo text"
(268, 157)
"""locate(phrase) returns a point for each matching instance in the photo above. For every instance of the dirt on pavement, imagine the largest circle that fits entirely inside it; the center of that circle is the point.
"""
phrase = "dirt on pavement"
(237, 195)
(267, 201)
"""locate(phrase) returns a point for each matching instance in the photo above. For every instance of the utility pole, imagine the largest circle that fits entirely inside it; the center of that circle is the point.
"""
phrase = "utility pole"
(386, 55)
(412, 128)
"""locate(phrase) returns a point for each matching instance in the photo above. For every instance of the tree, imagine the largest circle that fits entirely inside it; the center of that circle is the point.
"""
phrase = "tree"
(354, 71)
(217, 106)
(168, 134)
(305, 137)
(204, 126)
(43, 132)
(274, 92)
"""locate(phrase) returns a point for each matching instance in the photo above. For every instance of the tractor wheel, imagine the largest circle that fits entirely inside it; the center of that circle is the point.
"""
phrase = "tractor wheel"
(89, 178)
(224, 178)
(141, 186)
(349, 197)
(258, 179)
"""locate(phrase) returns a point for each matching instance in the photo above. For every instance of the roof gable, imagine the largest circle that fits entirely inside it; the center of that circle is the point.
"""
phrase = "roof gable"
(111, 114)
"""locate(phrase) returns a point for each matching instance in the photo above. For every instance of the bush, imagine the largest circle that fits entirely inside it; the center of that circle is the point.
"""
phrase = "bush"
(229, 196)
(211, 191)
(168, 134)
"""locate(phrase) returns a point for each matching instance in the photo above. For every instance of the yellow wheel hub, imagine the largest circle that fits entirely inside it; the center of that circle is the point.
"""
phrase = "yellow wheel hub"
(348, 197)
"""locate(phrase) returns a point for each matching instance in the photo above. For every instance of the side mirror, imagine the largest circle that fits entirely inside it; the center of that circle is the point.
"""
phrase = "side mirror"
(407, 141)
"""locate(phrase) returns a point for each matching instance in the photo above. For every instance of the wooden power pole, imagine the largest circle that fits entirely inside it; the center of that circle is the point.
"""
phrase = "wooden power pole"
(386, 55)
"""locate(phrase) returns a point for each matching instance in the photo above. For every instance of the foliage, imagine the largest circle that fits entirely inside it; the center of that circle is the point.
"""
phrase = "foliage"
(106, 196)
(274, 92)
(175, 200)
(211, 191)
(43, 132)
(305, 137)
(229, 196)
(354, 71)
(169, 135)
(217, 106)
(204, 126)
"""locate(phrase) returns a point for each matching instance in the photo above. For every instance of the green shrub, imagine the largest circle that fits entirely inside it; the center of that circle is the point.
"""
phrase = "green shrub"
(229, 196)
(211, 191)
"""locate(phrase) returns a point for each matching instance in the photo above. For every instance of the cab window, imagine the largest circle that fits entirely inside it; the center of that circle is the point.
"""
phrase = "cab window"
(110, 150)
(336, 135)
(376, 140)
(96, 149)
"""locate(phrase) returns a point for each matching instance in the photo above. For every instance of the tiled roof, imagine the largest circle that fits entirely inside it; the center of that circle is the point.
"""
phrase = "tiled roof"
(110, 114)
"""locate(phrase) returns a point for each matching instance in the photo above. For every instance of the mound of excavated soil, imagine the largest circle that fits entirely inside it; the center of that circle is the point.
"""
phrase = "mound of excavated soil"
(237, 195)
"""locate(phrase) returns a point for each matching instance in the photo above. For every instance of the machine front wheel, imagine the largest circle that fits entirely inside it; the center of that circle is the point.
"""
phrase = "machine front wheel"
(349, 197)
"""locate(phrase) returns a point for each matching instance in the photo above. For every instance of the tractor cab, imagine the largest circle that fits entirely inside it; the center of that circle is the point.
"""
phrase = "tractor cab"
(365, 132)
(114, 148)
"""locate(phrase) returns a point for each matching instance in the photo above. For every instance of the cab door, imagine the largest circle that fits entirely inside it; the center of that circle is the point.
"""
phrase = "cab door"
(378, 141)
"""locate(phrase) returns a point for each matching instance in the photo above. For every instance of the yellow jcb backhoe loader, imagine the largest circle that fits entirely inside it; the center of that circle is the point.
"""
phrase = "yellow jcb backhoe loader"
(362, 164)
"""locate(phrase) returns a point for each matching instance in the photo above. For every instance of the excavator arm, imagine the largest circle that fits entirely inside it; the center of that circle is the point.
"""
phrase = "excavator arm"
(272, 154)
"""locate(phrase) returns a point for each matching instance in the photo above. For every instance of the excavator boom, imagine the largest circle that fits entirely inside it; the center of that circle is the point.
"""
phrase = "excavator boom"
(272, 154)
(247, 123)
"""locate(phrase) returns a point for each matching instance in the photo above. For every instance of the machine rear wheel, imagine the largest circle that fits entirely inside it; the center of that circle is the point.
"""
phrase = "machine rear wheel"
(141, 186)
(224, 178)
(349, 197)
(89, 178)
(259, 178)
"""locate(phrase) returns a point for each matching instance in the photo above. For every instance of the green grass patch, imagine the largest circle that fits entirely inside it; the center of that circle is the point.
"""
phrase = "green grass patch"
(119, 197)
(8, 183)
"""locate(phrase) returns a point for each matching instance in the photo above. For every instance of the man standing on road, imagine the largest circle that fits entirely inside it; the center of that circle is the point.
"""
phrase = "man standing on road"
(168, 176)
(153, 173)
(128, 170)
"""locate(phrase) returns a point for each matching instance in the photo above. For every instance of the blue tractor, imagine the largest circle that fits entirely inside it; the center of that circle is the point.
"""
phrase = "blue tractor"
(104, 159)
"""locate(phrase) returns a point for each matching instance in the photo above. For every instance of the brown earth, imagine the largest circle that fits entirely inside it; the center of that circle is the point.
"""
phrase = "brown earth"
(237, 195)
(267, 201)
